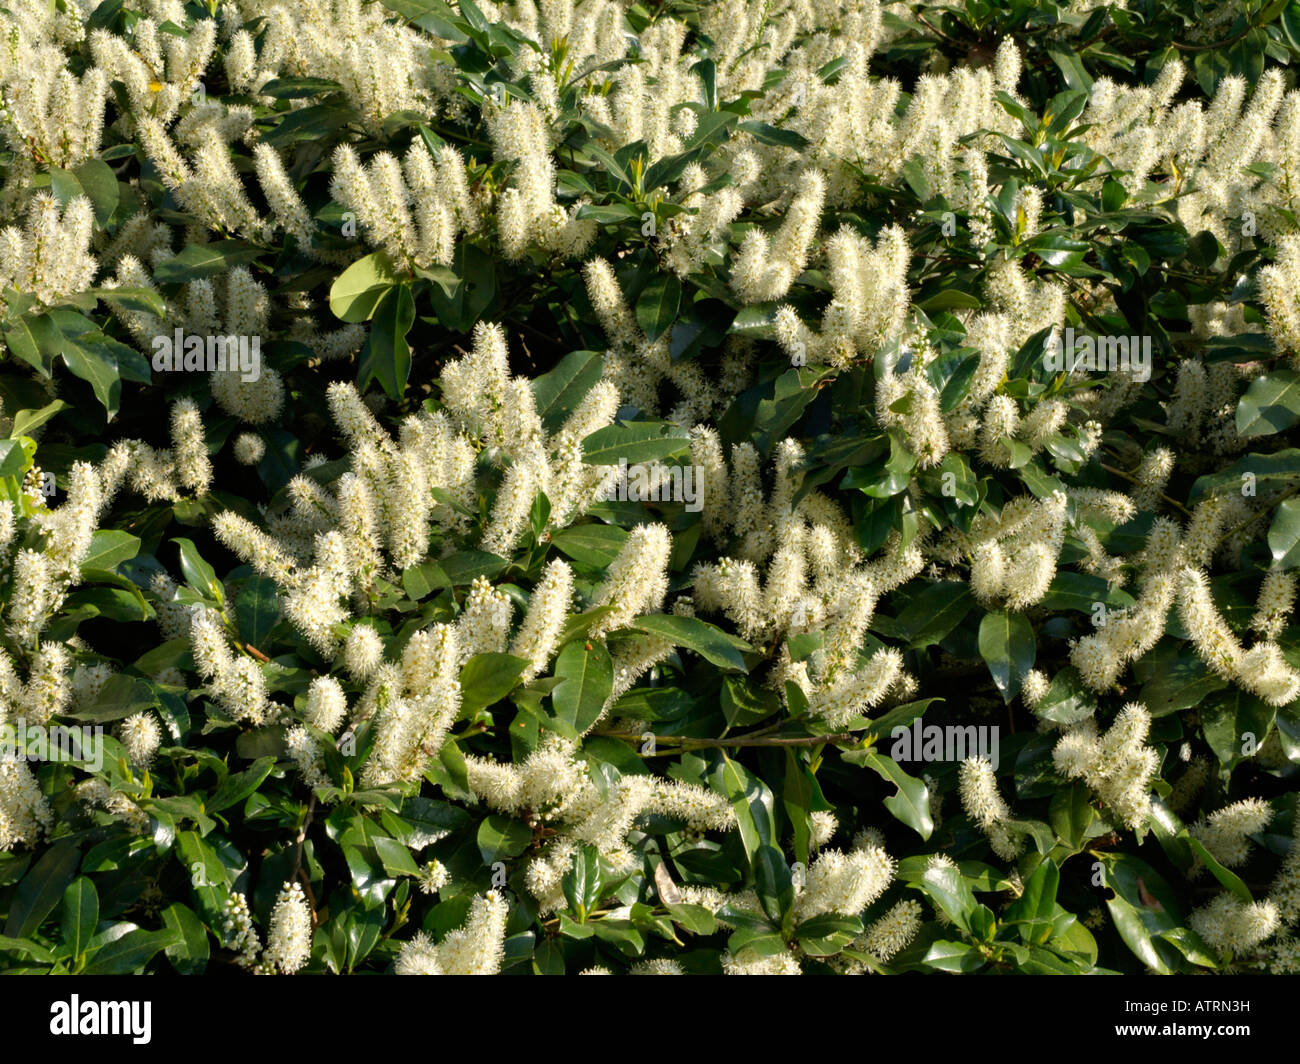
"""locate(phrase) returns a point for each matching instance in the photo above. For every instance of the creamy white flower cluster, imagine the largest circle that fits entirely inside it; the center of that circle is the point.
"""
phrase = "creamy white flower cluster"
(984, 805)
(25, 813)
(553, 786)
(844, 882)
(498, 412)
(816, 578)
(40, 577)
(478, 948)
(637, 366)
(869, 304)
(414, 209)
(288, 942)
(1262, 669)
(1225, 833)
(1013, 555)
(1116, 764)
(49, 257)
(236, 311)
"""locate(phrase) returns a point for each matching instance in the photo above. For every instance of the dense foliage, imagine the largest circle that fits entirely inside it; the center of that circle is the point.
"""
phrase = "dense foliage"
(651, 513)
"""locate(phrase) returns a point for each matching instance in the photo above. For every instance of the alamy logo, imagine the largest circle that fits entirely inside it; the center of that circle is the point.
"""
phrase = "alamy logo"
(930, 742)
(659, 483)
(36, 742)
(1098, 354)
(79, 1017)
(193, 353)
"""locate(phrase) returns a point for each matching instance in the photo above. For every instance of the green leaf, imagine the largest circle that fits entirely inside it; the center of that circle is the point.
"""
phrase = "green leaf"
(827, 934)
(769, 134)
(465, 305)
(1143, 907)
(1271, 404)
(99, 183)
(593, 545)
(1073, 817)
(189, 955)
(95, 365)
(257, 610)
(1006, 643)
(754, 943)
(296, 88)
(386, 356)
(1082, 591)
(1072, 68)
(586, 674)
(27, 948)
(1265, 471)
(656, 307)
(1228, 716)
(14, 459)
(422, 580)
(752, 800)
(236, 788)
(312, 123)
(121, 697)
(464, 566)
(745, 702)
(1284, 535)
(209, 879)
(42, 888)
(108, 547)
(131, 952)
(1226, 877)
(911, 803)
(774, 886)
(559, 391)
(80, 914)
(357, 291)
(26, 420)
(1174, 677)
(956, 957)
(35, 339)
(500, 838)
(948, 888)
(197, 261)
(695, 918)
(707, 640)
(582, 882)
(933, 613)
(488, 678)
(198, 573)
(132, 297)
(1034, 909)
(395, 857)
(950, 299)
(636, 442)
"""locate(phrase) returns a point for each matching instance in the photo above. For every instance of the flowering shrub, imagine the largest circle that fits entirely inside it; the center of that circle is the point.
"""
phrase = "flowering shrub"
(564, 487)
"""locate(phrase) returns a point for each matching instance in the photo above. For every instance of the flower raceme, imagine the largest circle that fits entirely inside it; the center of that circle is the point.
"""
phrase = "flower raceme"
(161, 174)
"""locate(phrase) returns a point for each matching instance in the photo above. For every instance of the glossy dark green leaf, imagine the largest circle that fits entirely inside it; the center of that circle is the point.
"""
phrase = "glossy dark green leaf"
(1008, 646)
(42, 888)
(707, 640)
(1284, 535)
(238, 786)
(80, 914)
(586, 674)
(1033, 910)
(1271, 403)
(657, 305)
(488, 678)
(635, 442)
(131, 952)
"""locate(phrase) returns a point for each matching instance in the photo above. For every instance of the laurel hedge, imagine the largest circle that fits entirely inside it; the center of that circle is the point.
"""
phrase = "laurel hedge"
(565, 486)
